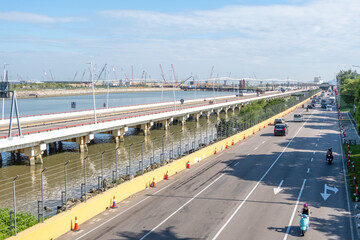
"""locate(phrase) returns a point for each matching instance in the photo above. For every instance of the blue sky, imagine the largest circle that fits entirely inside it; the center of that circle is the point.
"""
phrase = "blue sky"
(270, 39)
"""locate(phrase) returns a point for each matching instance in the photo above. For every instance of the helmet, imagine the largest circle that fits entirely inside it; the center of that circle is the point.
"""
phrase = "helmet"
(305, 205)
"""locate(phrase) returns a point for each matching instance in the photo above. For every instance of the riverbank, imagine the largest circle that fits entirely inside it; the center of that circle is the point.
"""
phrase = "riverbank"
(83, 91)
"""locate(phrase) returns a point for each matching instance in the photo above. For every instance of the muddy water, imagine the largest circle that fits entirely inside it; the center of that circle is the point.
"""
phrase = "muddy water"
(28, 185)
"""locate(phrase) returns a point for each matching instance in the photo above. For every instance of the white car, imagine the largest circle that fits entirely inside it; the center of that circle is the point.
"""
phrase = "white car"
(328, 107)
(298, 117)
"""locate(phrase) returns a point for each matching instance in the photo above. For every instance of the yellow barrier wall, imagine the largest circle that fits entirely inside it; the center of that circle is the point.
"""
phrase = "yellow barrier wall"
(63, 222)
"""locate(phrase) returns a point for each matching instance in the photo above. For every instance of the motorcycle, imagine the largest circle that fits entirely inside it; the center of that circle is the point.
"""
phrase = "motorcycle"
(329, 158)
(304, 224)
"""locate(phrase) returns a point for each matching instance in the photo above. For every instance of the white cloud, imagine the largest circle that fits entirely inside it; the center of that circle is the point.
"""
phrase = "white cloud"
(24, 17)
(313, 36)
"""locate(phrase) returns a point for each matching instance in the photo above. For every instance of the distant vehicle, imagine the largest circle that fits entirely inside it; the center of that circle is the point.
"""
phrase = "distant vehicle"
(298, 117)
(310, 106)
(280, 129)
(282, 90)
(323, 103)
(279, 120)
(328, 107)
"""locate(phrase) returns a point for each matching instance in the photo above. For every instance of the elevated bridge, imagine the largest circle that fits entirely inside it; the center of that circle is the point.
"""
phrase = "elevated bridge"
(79, 126)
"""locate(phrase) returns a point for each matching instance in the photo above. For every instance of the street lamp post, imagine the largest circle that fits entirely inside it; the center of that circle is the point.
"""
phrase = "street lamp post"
(93, 89)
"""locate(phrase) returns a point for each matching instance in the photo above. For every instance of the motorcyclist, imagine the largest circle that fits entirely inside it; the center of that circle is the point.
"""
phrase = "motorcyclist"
(305, 209)
(329, 154)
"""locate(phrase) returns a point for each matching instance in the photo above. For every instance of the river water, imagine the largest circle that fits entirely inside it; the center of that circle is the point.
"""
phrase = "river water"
(159, 145)
(33, 106)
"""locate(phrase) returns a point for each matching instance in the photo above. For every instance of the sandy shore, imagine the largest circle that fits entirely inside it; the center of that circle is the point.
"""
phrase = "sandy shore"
(85, 91)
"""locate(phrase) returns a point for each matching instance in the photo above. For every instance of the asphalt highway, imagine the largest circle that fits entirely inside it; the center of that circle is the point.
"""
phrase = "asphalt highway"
(253, 190)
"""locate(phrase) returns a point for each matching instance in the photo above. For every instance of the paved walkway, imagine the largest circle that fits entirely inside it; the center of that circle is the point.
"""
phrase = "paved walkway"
(350, 128)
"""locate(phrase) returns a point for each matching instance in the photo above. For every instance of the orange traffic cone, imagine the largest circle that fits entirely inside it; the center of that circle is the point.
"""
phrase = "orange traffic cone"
(167, 175)
(215, 151)
(357, 190)
(253, 131)
(188, 164)
(114, 203)
(76, 226)
(153, 183)
(226, 145)
(244, 136)
(232, 142)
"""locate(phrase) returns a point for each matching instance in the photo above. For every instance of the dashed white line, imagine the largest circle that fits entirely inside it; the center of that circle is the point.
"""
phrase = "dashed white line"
(314, 152)
(316, 145)
(253, 189)
(256, 148)
(312, 159)
(263, 142)
(308, 170)
(236, 164)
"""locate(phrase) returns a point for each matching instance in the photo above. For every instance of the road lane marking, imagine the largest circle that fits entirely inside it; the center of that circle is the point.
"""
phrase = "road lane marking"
(293, 214)
(253, 189)
(263, 142)
(316, 145)
(248, 154)
(256, 148)
(181, 207)
(117, 215)
(278, 189)
(314, 152)
(106, 213)
(318, 139)
(236, 164)
(308, 170)
(312, 159)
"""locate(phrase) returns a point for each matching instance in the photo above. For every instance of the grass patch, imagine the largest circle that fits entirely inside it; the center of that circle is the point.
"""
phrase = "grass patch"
(355, 157)
(23, 221)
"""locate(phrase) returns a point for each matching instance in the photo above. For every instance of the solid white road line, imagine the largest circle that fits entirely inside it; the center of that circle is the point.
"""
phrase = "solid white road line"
(253, 189)
(294, 211)
(181, 207)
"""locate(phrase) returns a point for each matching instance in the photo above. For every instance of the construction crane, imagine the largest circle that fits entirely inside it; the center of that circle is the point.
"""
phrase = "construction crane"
(102, 70)
(162, 74)
(175, 79)
(132, 75)
(82, 76)
(113, 69)
(52, 76)
(184, 81)
(75, 76)
(46, 75)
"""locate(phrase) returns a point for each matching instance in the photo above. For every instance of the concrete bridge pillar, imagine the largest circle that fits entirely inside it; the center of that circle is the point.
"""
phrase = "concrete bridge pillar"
(166, 123)
(119, 134)
(35, 154)
(83, 141)
(146, 128)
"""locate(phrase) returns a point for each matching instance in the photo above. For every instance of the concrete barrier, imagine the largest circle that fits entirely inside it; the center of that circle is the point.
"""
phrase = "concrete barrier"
(63, 222)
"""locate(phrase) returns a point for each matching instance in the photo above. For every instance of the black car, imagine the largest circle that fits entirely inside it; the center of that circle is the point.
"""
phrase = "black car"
(280, 129)
(310, 106)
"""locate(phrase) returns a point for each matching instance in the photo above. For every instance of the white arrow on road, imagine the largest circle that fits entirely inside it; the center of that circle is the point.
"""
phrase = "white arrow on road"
(326, 195)
(278, 189)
